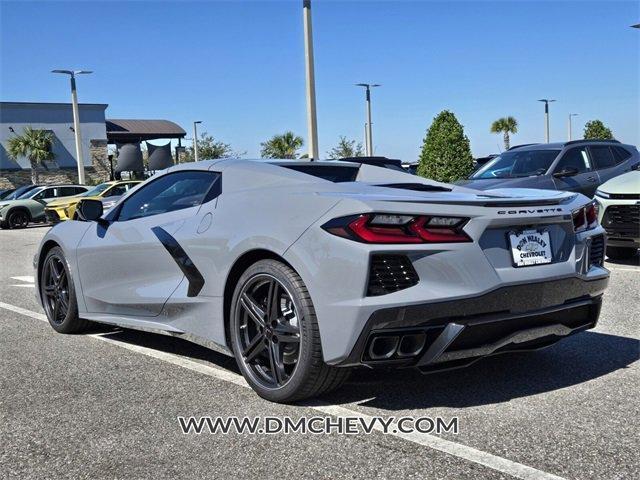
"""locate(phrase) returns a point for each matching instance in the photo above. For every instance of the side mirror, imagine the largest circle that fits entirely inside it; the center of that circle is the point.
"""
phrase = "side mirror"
(566, 172)
(89, 210)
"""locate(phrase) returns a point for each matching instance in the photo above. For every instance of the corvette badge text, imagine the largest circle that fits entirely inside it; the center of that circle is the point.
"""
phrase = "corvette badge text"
(317, 425)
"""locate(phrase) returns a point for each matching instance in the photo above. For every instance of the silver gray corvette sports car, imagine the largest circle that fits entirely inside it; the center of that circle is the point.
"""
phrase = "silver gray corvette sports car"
(302, 270)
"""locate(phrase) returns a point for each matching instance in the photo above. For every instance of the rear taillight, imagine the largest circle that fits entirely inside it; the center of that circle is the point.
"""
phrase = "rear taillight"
(398, 229)
(585, 218)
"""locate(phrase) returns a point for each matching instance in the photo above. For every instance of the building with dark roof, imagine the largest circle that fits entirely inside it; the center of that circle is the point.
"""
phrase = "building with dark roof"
(96, 132)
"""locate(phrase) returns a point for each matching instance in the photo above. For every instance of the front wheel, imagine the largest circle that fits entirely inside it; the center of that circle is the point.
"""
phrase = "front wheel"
(58, 294)
(275, 337)
(621, 253)
(18, 219)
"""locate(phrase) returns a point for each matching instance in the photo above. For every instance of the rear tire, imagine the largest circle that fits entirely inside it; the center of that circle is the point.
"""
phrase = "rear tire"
(58, 294)
(621, 253)
(277, 345)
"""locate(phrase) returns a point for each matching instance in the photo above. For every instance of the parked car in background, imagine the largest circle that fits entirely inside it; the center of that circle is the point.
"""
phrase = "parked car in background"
(65, 209)
(578, 166)
(619, 213)
(29, 208)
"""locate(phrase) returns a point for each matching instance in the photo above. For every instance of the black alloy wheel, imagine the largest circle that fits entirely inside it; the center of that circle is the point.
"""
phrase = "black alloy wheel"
(268, 330)
(55, 289)
(18, 219)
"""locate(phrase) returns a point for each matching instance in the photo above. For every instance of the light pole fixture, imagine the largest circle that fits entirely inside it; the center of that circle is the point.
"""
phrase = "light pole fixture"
(569, 124)
(195, 139)
(312, 119)
(76, 118)
(546, 117)
(369, 137)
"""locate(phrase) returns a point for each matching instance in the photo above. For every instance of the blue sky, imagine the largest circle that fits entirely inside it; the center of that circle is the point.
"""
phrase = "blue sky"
(239, 66)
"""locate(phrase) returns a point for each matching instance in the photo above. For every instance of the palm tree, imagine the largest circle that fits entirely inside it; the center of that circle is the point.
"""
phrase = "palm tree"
(34, 144)
(282, 146)
(505, 125)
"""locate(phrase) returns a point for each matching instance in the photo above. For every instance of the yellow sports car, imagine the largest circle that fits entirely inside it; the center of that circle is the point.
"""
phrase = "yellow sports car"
(65, 208)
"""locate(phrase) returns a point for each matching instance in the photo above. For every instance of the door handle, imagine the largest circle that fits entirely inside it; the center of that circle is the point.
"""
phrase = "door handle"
(591, 179)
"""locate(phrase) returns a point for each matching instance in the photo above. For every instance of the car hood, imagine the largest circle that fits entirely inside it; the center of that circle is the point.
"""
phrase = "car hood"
(626, 183)
(491, 183)
(13, 203)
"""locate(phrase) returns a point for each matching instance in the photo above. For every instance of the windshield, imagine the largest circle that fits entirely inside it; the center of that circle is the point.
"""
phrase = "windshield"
(518, 163)
(31, 193)
(18, 192)
(97, 190)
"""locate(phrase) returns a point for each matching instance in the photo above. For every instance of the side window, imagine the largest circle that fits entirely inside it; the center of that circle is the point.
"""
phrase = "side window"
(117, 190)
(602, 156)
(46, 193)
(79, 190)
(575, 158)
(67, 191)
(621, 154)
(168, 193)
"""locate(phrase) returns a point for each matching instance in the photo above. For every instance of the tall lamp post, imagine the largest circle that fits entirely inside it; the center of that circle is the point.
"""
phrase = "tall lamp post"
(195, 139)
(312, 119)
(569, 124)
(546, 117)
(369, 136)
(76, 118)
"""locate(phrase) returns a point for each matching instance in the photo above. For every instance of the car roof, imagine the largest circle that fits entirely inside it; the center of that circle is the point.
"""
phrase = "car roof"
(561, 145)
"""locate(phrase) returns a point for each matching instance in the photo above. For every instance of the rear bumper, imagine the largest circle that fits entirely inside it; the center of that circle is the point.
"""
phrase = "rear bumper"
(443, 335)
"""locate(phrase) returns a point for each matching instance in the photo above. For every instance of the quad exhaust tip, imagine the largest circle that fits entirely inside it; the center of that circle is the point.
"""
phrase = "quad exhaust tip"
(386, 347)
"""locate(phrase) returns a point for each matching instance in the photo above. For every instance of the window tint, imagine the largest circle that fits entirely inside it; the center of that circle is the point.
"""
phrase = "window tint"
(117, 190)
(170, 192)
(575, 158)
(46, 193)
(336, 174)
(621, 153)
(602, 156)
(68, 191)
(517, 163)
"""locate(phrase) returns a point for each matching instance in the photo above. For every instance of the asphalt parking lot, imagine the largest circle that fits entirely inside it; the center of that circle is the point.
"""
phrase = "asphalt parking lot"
(105, 404)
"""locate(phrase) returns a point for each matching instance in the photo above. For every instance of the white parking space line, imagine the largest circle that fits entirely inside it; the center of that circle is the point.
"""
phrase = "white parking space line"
(458, 450)
(623, 269)
(25, 278)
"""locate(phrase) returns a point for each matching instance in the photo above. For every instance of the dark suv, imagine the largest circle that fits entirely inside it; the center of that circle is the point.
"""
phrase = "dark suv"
(579, 166)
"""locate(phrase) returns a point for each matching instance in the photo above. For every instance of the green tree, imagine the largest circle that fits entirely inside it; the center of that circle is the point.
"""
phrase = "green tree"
(345, 149)
(208, 149)
(36, 145)
(506, 126)
(446, 155)
(595, 129)
(282, 146)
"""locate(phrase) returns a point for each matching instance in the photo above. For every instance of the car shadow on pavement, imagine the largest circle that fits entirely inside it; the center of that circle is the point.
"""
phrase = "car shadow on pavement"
(633, 261)
(168, 344)
(497, 379)
(575, 360)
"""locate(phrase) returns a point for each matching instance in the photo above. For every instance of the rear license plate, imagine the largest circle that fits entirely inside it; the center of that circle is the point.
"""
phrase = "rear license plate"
(530, 247)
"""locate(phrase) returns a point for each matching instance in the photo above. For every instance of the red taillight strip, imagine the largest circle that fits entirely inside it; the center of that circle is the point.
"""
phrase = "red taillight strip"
(373, 234)
(416, 231)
